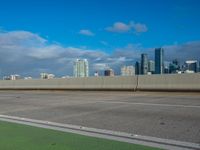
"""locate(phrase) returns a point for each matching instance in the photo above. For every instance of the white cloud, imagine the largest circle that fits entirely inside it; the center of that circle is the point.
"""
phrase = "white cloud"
(26, 53)
(20, 37)
(86, 32)
(46, 52)
(120, 27)
(138, 27)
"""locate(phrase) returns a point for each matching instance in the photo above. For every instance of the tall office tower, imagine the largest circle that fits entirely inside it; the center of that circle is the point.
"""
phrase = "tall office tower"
(199, 66)
(159, 61)
(191, 65)
(81, 68)
(151, 66)
(137, 68)
(144, 64)
(109, 72)
(127, 71)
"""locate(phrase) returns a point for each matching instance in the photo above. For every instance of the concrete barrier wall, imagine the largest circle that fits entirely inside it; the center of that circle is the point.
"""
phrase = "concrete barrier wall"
(91, 83)
(172, 82)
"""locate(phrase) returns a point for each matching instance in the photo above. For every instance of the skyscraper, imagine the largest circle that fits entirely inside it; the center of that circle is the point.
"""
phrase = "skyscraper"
(159, 61)
(127, 71)
(151, 66)
(81, 68)
(137, 68)
(144, 64)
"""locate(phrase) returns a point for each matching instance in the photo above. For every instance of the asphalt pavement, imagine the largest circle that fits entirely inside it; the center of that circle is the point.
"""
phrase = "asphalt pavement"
(167, 115)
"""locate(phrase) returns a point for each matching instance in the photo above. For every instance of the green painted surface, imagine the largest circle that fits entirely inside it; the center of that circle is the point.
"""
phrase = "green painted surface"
(23, 137)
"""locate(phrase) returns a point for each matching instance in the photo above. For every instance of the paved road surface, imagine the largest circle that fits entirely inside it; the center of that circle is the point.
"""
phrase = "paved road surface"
(164, 115)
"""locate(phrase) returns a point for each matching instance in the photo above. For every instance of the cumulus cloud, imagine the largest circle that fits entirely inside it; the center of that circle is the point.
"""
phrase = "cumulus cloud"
(139, 27)
(28, 54)
(120, 27)
(86, 32)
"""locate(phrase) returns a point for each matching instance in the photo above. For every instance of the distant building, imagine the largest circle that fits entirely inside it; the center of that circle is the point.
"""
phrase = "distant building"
(151, 66)
(6, 78)
(188, 71)
(96, 74)
(137, 68)
(159, 61)
(166, 70)
(174, 67)
(15, 77)
(27, 78)
(144, 64)
(127, 71)
(50, 76)
(81, 68)
(191, 65)
(109, 72)
(199, 66)
(46, 76)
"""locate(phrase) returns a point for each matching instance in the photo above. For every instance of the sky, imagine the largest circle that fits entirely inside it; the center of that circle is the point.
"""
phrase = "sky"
(48, 35)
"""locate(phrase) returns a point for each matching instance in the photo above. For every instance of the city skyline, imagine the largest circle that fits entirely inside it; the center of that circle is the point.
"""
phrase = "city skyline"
(47, 36)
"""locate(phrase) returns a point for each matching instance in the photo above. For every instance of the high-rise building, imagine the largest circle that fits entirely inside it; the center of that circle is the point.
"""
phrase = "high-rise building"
(109, 72)
(199, 66)
(81, 68)
(144, 64)
(127, 71)
(151, 66)
(159, 61)
(191, 65)
(137, 68)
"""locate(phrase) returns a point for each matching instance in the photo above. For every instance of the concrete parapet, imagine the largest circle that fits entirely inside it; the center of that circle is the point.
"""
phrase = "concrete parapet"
(169, 82)
(86, 83)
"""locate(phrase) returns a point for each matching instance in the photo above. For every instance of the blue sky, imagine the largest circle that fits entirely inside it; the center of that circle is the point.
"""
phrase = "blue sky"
(107, 32)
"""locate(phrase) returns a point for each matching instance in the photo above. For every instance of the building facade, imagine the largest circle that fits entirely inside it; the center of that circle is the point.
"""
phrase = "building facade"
(144, 64)
(151, 66)
(174, 67)
(81, 68)
(137, 68)
(127, 71)
(159, 61)
(109, 72)
(191, 65)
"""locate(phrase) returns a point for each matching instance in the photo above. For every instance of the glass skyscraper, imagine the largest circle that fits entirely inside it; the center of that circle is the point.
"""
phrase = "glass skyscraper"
(159, 61)
(144, 64)
(151, 66)
(137, 68)
(81, 68)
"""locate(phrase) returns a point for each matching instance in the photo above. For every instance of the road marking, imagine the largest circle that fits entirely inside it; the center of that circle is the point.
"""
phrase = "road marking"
(151, 104)
(106, 134)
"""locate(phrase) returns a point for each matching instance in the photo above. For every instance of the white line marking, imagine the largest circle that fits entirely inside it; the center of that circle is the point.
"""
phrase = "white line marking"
(151, 104)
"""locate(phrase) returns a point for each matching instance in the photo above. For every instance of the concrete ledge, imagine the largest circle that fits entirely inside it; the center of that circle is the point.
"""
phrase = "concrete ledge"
(170, 82)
